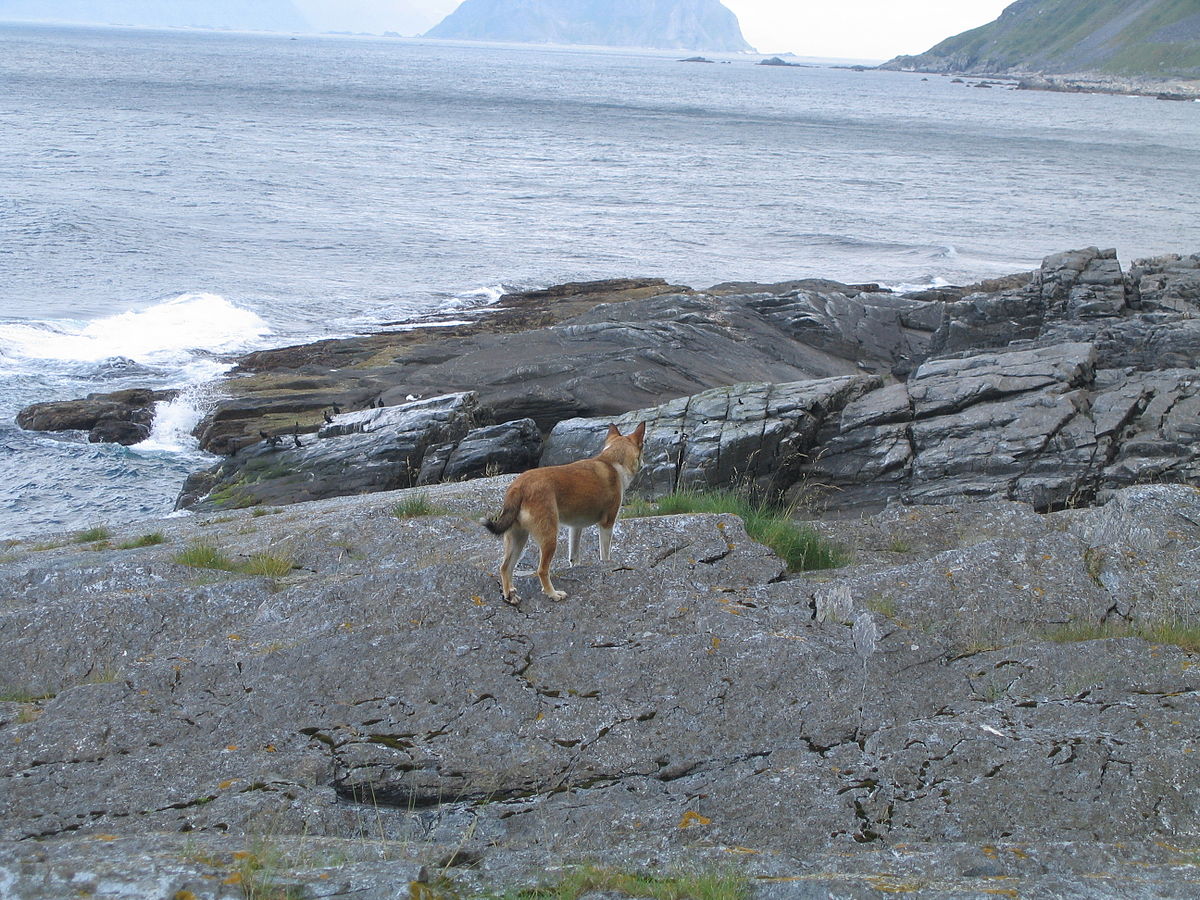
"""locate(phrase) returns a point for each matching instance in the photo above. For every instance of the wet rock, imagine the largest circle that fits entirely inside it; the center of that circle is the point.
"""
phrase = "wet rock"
(122, 417)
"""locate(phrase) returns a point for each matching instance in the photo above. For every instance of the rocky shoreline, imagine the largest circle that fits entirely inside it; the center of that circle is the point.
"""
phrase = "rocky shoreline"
(311, 686)
(1183, 89)
(1054, 388)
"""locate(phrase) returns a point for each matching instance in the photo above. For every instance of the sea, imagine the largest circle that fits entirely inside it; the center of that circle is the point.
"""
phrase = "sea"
(171, 199)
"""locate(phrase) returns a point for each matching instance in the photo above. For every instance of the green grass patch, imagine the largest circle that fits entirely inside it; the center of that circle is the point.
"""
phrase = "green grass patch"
(798, 545)
(91, 535)
(145, 540)
(416, 506)
(18, 696)
(594, 879)
(271, 565)
(1186, 637)
(205, 556)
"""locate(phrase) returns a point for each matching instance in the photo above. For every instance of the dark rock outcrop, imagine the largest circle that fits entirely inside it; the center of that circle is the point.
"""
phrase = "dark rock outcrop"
(1054, 388)
(379, 715)
(494, 450)
(750, 435)
(121, 417)
(379, 449)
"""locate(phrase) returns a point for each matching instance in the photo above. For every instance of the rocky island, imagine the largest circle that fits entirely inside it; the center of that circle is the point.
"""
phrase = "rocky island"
(312, 688)
(1150, 47)
(665, 24)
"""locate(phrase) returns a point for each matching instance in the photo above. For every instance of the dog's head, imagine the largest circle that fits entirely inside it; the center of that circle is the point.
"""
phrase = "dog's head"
(625, 449)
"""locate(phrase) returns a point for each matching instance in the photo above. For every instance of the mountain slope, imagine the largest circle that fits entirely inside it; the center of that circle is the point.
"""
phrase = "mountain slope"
(262, 15)
(669, 24)
(1149, 38)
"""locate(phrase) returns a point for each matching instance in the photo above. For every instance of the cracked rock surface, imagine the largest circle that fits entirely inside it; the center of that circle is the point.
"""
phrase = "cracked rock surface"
(377, 716)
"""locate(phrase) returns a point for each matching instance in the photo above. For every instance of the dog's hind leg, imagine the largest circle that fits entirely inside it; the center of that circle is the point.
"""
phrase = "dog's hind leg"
(514, 545)
(547, 544)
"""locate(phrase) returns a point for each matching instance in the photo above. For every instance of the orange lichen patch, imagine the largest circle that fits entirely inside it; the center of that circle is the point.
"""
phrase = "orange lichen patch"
(691, 817)
(235, 878)
(230, 748)
(234, 637)
(105, 837)
(226, 785)
(242, 854)
(478, 601)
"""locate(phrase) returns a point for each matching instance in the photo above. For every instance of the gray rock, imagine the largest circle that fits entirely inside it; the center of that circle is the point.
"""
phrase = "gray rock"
(493, 450)
(1083, 284)
(880, 330)
(751, 435)
(359, 452)
(1169, 283)
(380, 713)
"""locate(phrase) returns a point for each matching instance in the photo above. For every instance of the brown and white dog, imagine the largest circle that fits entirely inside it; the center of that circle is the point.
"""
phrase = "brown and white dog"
(578, 494)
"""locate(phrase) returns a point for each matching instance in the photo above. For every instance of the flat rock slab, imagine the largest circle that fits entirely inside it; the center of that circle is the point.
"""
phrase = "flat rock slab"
(685, 705)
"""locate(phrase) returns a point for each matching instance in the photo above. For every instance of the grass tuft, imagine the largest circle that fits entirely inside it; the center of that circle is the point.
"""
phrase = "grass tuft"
(145, 540)
(205, 556)
(417, 505)
(1186, 637)
(272, 565)
(798, 545)
(586, 880)
(92, 535)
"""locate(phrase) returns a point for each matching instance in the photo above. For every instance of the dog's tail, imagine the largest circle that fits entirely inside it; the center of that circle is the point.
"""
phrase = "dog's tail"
(504, 521)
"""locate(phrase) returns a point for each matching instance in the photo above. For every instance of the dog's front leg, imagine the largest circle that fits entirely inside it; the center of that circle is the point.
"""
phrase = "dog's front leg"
(574, 539)
(605, 542)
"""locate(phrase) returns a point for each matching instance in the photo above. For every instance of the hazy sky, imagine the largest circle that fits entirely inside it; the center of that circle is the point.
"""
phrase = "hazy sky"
(869, 29)
(857, 29)
(847, 29)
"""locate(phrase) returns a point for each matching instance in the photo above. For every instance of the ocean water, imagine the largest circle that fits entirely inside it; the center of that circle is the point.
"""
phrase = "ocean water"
(170, 199)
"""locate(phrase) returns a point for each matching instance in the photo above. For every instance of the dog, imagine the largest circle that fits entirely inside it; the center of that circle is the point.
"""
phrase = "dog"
(578, 494)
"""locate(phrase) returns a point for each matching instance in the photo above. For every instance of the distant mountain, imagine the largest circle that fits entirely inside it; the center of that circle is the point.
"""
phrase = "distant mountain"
(667, 24)
(1146, 38)
(260, 15)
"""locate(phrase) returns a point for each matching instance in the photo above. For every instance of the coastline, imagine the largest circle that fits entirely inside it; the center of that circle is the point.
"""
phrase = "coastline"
(1182, 89)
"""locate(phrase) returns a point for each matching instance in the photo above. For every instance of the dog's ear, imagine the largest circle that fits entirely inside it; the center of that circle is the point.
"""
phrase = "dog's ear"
(613, 432)
(639, 434)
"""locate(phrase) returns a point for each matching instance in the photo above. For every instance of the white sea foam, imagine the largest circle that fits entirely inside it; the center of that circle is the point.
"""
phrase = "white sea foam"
(168, 333)
(484, 296)
(174, 421)
(911, 287)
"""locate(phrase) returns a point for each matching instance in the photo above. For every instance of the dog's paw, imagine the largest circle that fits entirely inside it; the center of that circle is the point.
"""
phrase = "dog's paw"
(557, 595)
(512, 599)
